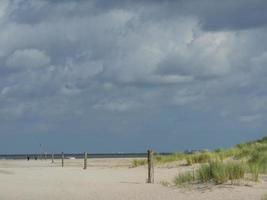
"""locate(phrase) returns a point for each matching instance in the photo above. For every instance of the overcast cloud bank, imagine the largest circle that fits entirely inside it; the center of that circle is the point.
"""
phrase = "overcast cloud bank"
(104, 65)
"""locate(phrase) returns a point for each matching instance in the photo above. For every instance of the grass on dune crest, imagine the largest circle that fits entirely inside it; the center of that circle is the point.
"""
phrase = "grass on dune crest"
(221, 165)
(247, 158)
(169, 158)
(243, 151)
(160, 159)
(255, 153)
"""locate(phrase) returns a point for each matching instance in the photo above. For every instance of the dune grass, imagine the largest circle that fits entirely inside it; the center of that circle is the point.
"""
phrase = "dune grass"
(236, 171)
(138, 162)
(184, 178)
(217, 172)
(243, 151)
(264, 197)
(257, 163)
(199, 158)
(221, 165)
(161, 159)
(259, 159)
(254, 153)
(204, 173)
(254, 170)
(250, 158)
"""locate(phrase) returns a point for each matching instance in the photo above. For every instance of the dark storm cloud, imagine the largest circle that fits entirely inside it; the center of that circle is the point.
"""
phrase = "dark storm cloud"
(212, 15)
(230, 15)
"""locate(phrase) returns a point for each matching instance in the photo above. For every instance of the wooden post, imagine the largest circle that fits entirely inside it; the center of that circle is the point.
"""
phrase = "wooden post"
(150, 163)
(62, 159)
(52, 156)
(85, 160)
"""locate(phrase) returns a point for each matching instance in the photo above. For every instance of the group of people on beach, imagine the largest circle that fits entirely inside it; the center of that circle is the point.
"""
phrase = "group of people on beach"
(28, 157)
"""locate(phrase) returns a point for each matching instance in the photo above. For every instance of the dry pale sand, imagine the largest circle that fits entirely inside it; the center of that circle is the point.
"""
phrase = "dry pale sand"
(106, 179)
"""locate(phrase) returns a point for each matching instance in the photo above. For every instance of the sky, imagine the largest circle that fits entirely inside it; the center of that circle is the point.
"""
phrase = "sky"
(125, 75)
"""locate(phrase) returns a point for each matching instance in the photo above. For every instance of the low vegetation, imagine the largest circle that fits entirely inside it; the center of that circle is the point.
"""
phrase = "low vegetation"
(264, 197)
(138, 162)
(161, 159)
(221, 165)
(247, 158)
(215, 171)
(199, 158)
(253, 151)
(184, 178)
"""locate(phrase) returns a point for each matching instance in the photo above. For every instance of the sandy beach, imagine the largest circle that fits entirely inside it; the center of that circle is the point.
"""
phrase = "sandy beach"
(107, 179)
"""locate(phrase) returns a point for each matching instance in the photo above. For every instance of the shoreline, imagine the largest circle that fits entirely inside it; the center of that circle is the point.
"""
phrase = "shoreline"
(79, 155)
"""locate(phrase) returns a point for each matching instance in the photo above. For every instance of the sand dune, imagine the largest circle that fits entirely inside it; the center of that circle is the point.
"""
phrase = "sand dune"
(106, 179)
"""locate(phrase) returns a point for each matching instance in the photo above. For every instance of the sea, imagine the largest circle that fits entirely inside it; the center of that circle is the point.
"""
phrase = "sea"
(75, 155)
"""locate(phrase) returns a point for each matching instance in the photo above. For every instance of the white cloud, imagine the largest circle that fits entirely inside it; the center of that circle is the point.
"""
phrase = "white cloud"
(3, 8)
(169, 79)
(259, 63)
(117, 106)
(13, 111)
(185, 96)
(28, 58)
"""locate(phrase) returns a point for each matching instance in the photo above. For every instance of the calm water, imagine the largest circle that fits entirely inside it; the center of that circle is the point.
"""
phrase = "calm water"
(80, 155)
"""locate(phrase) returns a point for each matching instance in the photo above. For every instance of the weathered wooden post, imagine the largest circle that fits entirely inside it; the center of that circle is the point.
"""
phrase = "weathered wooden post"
(150, 163)
(62, 159)
(52, 157)
(85, 161)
